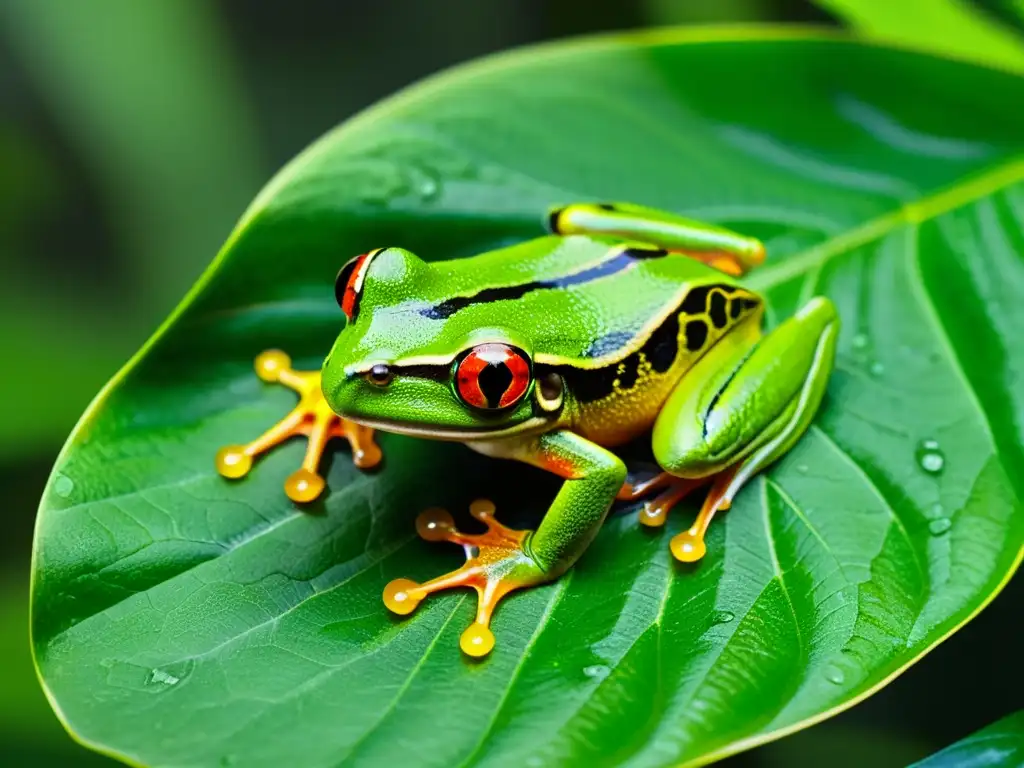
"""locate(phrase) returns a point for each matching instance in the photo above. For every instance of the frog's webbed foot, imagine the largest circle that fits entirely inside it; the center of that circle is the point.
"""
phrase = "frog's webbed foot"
(496, 563)
(311, 417)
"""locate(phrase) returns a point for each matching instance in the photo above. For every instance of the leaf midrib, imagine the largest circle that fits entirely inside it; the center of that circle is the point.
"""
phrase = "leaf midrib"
(963, 192)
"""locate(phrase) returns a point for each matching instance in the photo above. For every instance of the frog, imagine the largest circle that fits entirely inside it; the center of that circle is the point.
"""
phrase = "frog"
(621, 321)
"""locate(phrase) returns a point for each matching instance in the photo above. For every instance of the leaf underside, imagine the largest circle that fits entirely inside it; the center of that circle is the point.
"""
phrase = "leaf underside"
(181, 619)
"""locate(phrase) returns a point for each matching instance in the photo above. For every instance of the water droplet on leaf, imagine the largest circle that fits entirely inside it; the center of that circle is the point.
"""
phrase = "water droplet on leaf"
(722, 617)
(429, 188)
(164, 678)
(940, 526)
(63, 486)
(860, 341)
(929, 457)
(877, 369)
(596, 671)
(835, 675)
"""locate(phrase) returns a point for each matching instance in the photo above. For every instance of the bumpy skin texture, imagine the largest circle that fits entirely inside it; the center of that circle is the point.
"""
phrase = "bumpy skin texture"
(552, 351)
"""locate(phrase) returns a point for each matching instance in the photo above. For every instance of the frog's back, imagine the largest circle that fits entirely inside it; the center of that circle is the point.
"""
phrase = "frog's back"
(583, 298)
(620, 322)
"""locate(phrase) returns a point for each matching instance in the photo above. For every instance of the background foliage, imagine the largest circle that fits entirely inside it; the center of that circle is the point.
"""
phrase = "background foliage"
(128, 153)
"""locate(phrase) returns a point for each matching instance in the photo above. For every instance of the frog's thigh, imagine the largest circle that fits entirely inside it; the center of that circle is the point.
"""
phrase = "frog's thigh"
(748, 400)
(717, 247)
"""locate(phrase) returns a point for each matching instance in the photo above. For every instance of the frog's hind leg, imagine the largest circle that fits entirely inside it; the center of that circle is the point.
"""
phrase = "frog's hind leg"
(750, 401)
(311, 417)
(717, 247)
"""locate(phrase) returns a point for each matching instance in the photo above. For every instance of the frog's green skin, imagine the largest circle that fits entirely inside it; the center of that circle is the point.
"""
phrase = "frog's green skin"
(620, 336)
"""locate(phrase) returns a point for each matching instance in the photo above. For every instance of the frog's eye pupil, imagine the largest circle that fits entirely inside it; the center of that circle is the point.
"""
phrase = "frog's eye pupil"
(380, 375)
(494, 381)
(493, 376)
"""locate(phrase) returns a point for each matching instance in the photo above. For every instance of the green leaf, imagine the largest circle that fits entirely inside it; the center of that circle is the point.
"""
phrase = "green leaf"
(1000, 745)
(944, 27)
(181, 619)
(1009, 12)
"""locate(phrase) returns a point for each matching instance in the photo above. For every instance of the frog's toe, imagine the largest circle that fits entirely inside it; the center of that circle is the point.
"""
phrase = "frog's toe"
(313, 418)
(303, 485)
(654, 512)
(688, 546)
(496, 564)
(271, 363)
(366, 454)
(233, 462)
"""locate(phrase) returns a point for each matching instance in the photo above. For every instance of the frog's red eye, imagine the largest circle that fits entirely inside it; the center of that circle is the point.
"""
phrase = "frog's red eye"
(492, 376)
(348, 285)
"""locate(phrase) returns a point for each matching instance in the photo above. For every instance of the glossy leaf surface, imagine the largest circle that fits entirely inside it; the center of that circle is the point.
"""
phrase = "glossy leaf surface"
(1000, 745)
(181, 619)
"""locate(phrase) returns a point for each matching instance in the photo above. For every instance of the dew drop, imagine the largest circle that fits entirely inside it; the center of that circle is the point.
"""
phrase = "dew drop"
(429, 188)
(835, 675)
(940, 525)
(165, 678)
(596, 671)
(722, 617)
(877, 369)
(929, 457)
(63, 486)
(860, 341)
(801, 468)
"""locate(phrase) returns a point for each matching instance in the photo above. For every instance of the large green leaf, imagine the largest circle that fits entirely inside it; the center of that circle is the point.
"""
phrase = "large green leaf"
(183, 620)
(1000, 745)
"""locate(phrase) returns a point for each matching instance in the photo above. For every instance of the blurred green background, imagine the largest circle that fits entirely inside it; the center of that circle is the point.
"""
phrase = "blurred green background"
(133, 135)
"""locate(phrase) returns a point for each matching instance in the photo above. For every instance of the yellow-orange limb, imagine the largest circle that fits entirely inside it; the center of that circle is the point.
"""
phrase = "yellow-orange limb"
(495, 565)
(312, 417)
(632, 492)
(655, 512)
(688, 546)
(723, 262)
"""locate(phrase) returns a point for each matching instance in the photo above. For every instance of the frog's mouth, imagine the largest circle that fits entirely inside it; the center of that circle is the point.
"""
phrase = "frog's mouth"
(436, 432)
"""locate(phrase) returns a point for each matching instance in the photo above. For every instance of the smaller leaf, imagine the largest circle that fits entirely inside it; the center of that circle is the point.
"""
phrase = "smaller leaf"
(1009, 12)
(943, 27)
(1000, 744)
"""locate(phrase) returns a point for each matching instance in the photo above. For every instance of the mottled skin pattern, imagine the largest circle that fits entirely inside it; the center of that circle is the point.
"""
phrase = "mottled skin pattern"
(555, 350)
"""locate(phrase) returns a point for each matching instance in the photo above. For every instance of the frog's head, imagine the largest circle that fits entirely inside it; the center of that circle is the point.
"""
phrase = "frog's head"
(411, 360)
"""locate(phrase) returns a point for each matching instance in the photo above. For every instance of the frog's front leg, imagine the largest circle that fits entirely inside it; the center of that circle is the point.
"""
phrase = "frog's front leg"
(311, 417)
(743, 405)
(717, 247)
(501, 559)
